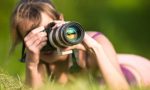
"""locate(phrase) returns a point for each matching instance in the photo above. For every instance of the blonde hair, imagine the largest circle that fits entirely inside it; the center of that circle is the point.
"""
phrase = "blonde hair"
(27, 16)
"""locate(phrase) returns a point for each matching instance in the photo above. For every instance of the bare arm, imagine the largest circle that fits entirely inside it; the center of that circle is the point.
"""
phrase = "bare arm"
(34, 41)
(35, 73)
(108, 48)
(107, 62)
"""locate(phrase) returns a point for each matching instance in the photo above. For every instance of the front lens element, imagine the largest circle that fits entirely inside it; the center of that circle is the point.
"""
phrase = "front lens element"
(71, 34)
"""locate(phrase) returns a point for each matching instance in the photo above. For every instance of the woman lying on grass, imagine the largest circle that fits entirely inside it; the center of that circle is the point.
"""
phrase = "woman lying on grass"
(95, 54)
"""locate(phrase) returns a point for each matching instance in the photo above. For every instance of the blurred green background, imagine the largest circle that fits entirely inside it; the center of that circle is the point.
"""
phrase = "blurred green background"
(125, 22)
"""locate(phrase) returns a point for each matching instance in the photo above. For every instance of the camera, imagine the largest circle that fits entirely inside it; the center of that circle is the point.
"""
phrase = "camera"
(68, 34)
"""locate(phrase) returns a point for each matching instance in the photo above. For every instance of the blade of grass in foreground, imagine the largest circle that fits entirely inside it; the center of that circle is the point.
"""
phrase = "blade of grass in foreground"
(8, 82)
(84, 82)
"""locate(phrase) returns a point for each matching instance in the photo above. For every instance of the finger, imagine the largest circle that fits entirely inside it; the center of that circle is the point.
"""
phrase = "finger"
(89, 42)
(41, 34)
(35, 37)
(34, 31)
(35, 44)
(78, 46)
(39, 40)
(58, 24)
(41, 45)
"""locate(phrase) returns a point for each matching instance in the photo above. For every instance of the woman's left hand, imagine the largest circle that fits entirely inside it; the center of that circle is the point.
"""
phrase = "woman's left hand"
(87, 42)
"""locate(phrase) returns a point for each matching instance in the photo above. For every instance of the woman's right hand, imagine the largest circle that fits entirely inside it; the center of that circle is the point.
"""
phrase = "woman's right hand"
(34, 42)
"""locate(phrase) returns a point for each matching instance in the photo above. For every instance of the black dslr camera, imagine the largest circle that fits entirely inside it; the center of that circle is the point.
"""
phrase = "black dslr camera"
(68, 34)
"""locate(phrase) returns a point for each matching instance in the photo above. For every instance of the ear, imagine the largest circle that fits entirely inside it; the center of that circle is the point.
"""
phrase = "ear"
(61, 17)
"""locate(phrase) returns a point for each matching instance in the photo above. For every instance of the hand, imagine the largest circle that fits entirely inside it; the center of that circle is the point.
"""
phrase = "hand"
(87, 43)
(34, 42)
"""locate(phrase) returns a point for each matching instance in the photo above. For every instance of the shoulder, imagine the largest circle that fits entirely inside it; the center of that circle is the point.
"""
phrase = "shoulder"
(92, 33)
(100, 37)
(96, 35)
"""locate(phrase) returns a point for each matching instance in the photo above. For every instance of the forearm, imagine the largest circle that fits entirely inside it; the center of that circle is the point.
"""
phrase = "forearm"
(33, 76)
(114, 79)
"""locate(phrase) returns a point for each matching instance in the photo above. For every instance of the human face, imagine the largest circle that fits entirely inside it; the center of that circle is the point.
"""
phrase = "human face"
(49, 56)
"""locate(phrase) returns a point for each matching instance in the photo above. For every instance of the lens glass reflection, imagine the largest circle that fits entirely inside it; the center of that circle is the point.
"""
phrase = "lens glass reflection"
(71, 34)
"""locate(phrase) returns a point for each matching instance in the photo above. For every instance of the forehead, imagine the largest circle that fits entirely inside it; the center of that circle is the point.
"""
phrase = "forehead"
(45, 19)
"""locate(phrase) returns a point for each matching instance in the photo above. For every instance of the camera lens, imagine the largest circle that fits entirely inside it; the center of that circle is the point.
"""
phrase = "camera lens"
(66, 35)
(71, 34)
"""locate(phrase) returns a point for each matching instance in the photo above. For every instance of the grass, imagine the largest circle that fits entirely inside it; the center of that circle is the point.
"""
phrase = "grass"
(85, 82)
(8, 82)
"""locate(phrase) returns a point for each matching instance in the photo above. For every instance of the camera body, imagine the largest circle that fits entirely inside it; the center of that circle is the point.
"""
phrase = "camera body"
(68, 34)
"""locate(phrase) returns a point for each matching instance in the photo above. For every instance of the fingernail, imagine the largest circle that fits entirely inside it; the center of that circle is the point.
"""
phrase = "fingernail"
(41, 27)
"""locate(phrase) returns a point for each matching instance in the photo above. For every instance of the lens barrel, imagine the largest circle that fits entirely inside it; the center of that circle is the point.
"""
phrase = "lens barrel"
(68, 34)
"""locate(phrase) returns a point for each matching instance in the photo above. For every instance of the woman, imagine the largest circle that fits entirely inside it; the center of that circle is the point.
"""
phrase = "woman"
(94, 54)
